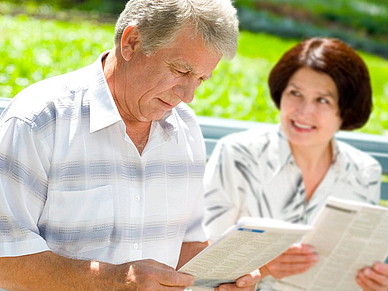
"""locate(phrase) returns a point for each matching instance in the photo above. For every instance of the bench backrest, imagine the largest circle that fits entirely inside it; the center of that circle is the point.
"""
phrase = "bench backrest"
(215, 128)
(377, 146)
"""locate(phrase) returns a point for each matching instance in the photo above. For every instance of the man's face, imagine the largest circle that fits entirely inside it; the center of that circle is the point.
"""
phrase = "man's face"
(155, 84)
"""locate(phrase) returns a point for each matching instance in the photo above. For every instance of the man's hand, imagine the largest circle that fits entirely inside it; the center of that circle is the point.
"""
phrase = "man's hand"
(296, 260)
(244, 283)
(142, 275)
(374, 278)
(152, 275)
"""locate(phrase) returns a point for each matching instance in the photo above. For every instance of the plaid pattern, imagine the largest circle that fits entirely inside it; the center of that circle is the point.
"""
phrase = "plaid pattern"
(72, 181)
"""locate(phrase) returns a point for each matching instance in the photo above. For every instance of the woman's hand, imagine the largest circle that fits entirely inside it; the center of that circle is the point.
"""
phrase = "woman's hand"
(244, 283)
(374, 278)
(296, 260)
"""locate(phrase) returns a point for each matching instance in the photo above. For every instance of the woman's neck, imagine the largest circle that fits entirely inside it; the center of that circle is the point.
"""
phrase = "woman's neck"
(314, 163)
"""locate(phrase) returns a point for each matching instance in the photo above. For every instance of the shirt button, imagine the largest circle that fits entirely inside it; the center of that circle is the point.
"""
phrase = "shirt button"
(137, 198)
(135, 246)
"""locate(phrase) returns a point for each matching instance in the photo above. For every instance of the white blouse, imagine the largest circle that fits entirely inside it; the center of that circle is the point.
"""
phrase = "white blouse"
(253, 173)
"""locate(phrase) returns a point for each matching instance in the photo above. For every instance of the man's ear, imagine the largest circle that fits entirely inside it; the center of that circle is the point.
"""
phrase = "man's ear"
(130, 41)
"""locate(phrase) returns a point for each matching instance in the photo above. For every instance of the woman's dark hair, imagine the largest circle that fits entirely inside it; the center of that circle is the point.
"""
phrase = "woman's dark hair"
(336, 59)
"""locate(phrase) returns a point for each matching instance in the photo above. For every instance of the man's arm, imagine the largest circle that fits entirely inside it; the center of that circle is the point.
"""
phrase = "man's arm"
(189, 250)
(48, 271)
(244, 283)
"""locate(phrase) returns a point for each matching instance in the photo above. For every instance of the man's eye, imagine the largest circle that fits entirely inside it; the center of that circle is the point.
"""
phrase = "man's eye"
(183, 73)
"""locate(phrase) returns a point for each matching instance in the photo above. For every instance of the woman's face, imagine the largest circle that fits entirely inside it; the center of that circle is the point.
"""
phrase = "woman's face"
(309, 110)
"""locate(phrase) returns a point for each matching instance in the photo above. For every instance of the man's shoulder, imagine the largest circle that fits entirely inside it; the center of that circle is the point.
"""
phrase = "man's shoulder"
(47, 94)
(58, 86)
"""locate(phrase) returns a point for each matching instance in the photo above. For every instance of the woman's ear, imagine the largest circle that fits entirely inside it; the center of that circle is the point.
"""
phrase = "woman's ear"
(130, 41)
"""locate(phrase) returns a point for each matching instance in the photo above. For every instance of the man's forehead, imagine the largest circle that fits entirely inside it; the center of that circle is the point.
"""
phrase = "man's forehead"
(189, 45)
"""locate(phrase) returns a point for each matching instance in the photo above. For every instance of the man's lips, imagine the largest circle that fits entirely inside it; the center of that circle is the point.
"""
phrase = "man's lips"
(166, 104)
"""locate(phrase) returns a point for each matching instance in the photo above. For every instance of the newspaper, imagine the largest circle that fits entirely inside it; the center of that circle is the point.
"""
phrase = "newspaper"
(348, 236)
(248, 245)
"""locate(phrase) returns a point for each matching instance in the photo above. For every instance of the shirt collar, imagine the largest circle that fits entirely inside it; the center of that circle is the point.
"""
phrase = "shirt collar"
(285, 154)
(103, 110)
(169, 123)
(336, 150)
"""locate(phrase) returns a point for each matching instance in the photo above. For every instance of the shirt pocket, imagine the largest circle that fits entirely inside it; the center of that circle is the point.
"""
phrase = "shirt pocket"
(78, 221)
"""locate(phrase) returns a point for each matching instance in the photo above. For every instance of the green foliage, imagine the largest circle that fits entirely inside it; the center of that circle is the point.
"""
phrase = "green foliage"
(370, 16)
(110, 6)
(34, 49)
(239, 88)
(264, 21)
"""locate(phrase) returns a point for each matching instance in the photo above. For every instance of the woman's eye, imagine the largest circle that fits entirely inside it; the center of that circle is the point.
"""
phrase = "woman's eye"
(323, 100)
(295, 93)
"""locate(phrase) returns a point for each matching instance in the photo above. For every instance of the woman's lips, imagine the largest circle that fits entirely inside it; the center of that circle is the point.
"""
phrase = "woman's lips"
(301, 126)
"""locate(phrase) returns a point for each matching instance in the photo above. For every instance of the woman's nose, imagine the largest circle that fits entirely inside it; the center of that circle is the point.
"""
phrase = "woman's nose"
(305, 108)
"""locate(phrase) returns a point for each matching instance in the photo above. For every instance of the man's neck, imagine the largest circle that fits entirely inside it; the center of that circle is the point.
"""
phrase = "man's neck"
(137, 131)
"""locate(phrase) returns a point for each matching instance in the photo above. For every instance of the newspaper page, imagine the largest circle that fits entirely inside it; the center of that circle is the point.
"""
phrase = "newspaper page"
(348, 236)
(248, 245)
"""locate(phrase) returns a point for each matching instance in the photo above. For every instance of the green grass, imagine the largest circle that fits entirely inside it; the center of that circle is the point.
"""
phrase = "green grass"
(34, 49)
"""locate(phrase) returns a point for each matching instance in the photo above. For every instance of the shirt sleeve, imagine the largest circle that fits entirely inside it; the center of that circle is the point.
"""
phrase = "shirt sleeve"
(23, 188)
(195, 231)
(222, 199)
(373, 174)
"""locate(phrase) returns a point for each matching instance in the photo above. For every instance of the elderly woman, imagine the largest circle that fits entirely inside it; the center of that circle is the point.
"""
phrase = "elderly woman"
(320, 86)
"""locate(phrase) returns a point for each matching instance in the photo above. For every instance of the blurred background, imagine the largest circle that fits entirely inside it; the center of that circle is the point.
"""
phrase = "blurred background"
(41, 39)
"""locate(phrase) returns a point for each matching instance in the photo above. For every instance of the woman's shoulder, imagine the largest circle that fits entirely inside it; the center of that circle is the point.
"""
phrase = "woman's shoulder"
(253, 138)
(255, 145)
(359, 159)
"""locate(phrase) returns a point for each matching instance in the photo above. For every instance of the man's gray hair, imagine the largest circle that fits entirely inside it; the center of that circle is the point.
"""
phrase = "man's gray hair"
(160, 21)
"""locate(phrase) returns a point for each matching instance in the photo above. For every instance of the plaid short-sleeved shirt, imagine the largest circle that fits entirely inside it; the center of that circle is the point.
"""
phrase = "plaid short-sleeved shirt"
(72, 181)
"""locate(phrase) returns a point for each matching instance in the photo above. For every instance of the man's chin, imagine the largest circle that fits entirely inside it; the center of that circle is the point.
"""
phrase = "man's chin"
(155, 116)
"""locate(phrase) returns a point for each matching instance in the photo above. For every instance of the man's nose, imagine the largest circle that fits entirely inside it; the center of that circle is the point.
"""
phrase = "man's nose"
(186, 89)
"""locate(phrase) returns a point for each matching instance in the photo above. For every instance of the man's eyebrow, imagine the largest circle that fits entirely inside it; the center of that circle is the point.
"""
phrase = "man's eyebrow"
(190, 69)
(185, 65)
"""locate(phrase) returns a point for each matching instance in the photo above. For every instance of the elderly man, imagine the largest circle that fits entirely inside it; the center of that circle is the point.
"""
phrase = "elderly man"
(101, 169)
